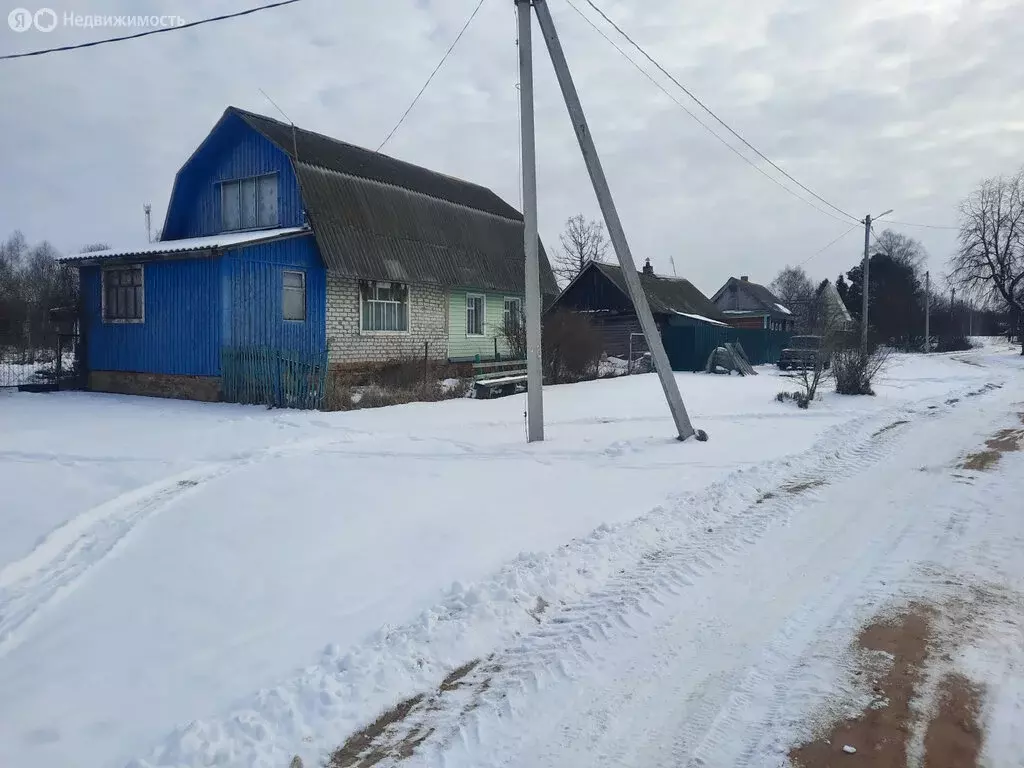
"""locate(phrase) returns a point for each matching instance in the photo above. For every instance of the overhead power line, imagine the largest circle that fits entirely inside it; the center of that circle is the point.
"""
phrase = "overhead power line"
(830, 244)
(700, 122)
(707, 109)
(925, 226)
(427, 83)
(148, 32)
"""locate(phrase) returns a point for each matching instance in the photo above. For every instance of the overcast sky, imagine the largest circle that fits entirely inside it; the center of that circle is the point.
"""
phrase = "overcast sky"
(874, 104)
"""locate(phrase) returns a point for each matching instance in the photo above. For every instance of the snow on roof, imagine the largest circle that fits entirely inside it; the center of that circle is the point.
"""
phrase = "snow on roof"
(223, 240)
(701, 318)
(782, 308)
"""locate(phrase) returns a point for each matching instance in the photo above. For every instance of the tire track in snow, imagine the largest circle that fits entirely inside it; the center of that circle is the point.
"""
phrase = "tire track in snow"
(661, 554)
(551, 651)
(59, 563)
(65, 556)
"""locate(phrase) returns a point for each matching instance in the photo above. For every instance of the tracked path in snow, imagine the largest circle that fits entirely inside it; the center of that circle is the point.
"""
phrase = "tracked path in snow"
(704, 651)
(67, 555)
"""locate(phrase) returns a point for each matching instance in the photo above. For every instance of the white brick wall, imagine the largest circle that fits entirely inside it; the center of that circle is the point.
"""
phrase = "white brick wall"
(428, 318)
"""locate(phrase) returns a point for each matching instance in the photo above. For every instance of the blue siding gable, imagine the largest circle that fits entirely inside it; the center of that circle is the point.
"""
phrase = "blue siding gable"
(233, 150)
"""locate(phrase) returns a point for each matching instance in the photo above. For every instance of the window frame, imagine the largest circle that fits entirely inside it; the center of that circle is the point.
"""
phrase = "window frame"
(285, 288)
(483, 315)
(237, 182)
(519, 303)
(106, 270)
(363, 301)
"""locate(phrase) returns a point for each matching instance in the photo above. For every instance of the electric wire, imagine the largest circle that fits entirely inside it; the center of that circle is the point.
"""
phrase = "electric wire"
(444, 58)
(147, 33)
(700, 122)
(707, 109)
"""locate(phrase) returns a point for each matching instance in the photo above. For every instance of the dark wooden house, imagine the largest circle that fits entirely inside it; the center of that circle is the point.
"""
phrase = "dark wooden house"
(749, 305)
(600, 292)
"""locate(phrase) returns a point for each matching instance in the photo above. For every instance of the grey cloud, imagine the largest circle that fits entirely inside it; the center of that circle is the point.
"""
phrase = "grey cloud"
(873, 104)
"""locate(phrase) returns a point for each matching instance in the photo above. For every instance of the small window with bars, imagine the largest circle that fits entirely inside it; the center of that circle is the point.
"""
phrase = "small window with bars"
(293, 295)
(385, 307)
(124, 295)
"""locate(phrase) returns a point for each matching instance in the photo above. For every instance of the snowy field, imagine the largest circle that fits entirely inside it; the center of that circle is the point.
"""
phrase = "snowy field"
(186, 584)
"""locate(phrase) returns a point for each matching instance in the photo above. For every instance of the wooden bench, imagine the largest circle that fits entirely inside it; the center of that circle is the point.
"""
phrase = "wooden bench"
(489, 381)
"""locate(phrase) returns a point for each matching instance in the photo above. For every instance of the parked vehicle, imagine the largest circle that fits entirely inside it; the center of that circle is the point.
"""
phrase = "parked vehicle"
(802, 352)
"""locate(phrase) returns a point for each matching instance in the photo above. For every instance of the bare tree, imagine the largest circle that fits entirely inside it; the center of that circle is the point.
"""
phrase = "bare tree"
(792, 285)
(795, 290)
(905, 251)
(989, 262)
(582, 241)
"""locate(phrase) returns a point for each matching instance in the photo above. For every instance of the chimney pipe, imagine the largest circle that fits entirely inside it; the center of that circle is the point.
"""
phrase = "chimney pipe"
(745, 278)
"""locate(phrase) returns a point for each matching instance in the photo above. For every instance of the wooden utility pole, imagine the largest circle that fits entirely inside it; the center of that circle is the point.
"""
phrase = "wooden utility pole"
(927, 313)
(865, 282)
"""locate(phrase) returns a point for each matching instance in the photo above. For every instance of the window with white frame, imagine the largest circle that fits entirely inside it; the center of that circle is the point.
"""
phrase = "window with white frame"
(293, 294)
(124, 294)
(513, 313)
(385, 307)
(476, 309)
(249, 203)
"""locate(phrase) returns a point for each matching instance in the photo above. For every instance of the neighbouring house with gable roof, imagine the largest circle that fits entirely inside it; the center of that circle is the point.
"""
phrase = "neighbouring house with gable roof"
(750, 305)
(600, 292)
(285, 252)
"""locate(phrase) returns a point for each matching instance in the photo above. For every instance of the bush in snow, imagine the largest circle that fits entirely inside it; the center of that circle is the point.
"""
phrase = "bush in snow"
(957, 343)
(797, 397)
(572, 347)
(854, 370)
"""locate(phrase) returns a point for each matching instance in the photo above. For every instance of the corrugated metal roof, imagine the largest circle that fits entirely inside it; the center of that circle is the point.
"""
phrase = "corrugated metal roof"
(377, 217)
(758, 293)
(666, 295)
(161, 247)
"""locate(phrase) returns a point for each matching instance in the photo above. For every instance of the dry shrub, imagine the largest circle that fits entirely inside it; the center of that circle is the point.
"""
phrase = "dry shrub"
(958, 343)
(854, 370)
(572, 347)
(394, 383)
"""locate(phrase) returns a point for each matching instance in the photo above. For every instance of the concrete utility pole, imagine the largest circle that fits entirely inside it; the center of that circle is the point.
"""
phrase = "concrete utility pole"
(534, 370)
(616, 233)
(927, 313)
(148, 209)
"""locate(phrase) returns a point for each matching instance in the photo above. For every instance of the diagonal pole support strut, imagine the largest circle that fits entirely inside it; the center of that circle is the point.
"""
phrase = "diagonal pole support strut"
(611, 219)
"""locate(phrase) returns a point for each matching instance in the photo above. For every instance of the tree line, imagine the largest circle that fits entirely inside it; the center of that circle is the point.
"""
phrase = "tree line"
(32, 282)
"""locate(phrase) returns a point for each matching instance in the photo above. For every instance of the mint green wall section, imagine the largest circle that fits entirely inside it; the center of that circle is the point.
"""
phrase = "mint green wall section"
(464, 347)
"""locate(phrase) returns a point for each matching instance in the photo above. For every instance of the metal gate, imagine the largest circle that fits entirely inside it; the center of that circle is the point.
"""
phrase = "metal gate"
(50, 362)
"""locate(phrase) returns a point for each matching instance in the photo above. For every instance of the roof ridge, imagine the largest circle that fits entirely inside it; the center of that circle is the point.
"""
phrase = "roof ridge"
(318, 167)
(288, 150)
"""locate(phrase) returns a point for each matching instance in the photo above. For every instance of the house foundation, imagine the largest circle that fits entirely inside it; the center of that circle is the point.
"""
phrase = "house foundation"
(203, 388)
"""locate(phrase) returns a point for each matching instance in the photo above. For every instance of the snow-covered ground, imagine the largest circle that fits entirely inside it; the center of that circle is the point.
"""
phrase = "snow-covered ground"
(190, 584)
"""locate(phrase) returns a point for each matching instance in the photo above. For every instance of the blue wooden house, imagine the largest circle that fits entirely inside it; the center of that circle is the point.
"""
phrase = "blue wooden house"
(285, 253)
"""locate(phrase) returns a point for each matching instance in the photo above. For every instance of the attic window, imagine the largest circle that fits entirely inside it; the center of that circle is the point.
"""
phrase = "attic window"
(249, 203)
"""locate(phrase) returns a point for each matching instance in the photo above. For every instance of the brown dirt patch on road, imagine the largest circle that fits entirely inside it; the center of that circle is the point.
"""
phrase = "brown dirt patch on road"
(1003, 441)
(883, 732)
